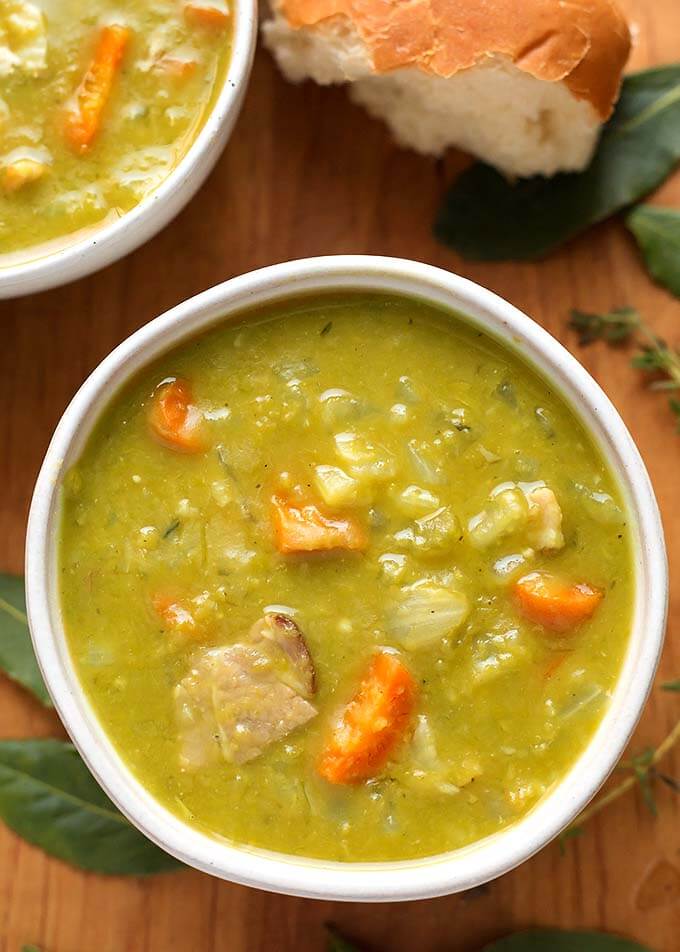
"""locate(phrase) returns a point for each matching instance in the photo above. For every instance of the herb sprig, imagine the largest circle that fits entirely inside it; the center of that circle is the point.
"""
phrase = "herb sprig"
(642, 770)
(655, 357)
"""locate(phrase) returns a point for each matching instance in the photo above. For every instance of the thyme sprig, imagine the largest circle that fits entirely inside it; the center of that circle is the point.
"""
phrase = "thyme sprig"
(642, 771)
(655, 357)
(614, 327)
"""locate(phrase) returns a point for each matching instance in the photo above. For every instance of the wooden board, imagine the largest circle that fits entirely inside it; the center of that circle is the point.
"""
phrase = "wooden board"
(307, 173)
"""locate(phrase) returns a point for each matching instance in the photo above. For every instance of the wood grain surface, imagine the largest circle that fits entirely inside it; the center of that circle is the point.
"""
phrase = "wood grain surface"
(307, 173)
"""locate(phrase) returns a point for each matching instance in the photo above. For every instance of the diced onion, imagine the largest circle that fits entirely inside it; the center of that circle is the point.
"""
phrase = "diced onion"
(425, 614)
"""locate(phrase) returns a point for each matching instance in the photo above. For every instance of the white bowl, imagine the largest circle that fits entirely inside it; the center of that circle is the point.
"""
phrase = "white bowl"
(101, 246)
(416, 879)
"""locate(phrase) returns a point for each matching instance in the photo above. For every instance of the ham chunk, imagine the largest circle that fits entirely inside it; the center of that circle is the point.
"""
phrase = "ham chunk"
(545, 520)
(239, 699)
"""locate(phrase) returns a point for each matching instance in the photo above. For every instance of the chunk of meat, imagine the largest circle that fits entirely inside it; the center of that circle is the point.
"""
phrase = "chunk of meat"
(545, 520)
(176, 66)
(372, 724)
(303, 527)
(282, 631)
(239, 699)
(174, 420)
(555, 604)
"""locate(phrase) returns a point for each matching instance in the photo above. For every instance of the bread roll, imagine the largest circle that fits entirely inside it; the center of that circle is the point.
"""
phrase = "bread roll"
(522, 84)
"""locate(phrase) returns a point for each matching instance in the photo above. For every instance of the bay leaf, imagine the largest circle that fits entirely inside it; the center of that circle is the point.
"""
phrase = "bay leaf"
(657, 232)
(337, 943)
(48, 797)
(16, 651)
(558, 940)
(486, 217)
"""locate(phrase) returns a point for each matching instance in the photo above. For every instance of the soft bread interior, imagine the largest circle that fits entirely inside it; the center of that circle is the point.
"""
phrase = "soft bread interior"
(522, 125)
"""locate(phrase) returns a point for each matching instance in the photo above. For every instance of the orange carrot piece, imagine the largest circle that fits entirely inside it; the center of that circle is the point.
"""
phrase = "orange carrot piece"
(372, 724)
(206, 14)
(85, 114)
(173, 613)
(174, 420)
(556, 605)
(303, 527)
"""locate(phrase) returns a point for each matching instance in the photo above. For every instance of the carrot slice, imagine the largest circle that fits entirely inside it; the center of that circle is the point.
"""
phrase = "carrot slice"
(556, 605)
(174, 420)
(84, 116)
(372, 724)
(303, 527)
(173, 613)
(206, 14)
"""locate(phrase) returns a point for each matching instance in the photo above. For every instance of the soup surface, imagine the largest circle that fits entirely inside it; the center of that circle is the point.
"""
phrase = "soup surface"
(345, 580)
(98, 103)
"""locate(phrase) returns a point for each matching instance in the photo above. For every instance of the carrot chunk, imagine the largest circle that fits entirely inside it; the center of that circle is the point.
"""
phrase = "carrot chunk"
(173, 613)
(85, 113)
(372, 724)
(174, 420)
(556, 605)
(212, 15)
(303, 527)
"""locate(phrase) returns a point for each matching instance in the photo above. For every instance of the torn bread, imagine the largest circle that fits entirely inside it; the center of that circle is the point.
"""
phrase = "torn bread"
(523, 85)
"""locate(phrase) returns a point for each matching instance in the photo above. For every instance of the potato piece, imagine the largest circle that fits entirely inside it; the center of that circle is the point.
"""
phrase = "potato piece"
(23, 172)
(365, 460)
(415, 501)
(506, 512)
(336, 487)
(434, 534)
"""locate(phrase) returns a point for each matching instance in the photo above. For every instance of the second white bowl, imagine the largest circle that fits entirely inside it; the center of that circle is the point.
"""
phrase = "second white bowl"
(102, 246)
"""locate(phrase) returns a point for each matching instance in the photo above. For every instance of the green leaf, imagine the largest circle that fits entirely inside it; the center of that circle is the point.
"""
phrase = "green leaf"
(16, 651)
(49, 798)
(30, 948)
(671, 686)
(556, 940)
(336, 943)
(657, 232)
(485, 217)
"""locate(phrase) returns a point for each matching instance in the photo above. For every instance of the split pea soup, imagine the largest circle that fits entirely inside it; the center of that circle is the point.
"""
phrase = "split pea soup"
(99, 102)
(345, 579)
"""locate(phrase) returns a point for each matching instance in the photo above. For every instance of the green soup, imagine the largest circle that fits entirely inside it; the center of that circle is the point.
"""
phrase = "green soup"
(98, 104)
(346, 580)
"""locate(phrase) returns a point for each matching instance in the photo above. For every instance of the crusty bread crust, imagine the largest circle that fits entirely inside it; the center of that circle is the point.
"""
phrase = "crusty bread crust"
(583, 43)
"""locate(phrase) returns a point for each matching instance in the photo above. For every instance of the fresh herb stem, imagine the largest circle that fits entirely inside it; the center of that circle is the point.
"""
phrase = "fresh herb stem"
(654, 356)
(640, 771)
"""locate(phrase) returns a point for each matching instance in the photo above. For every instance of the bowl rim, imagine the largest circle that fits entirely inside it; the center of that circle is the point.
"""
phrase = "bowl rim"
(102, 245)
(389, 881)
